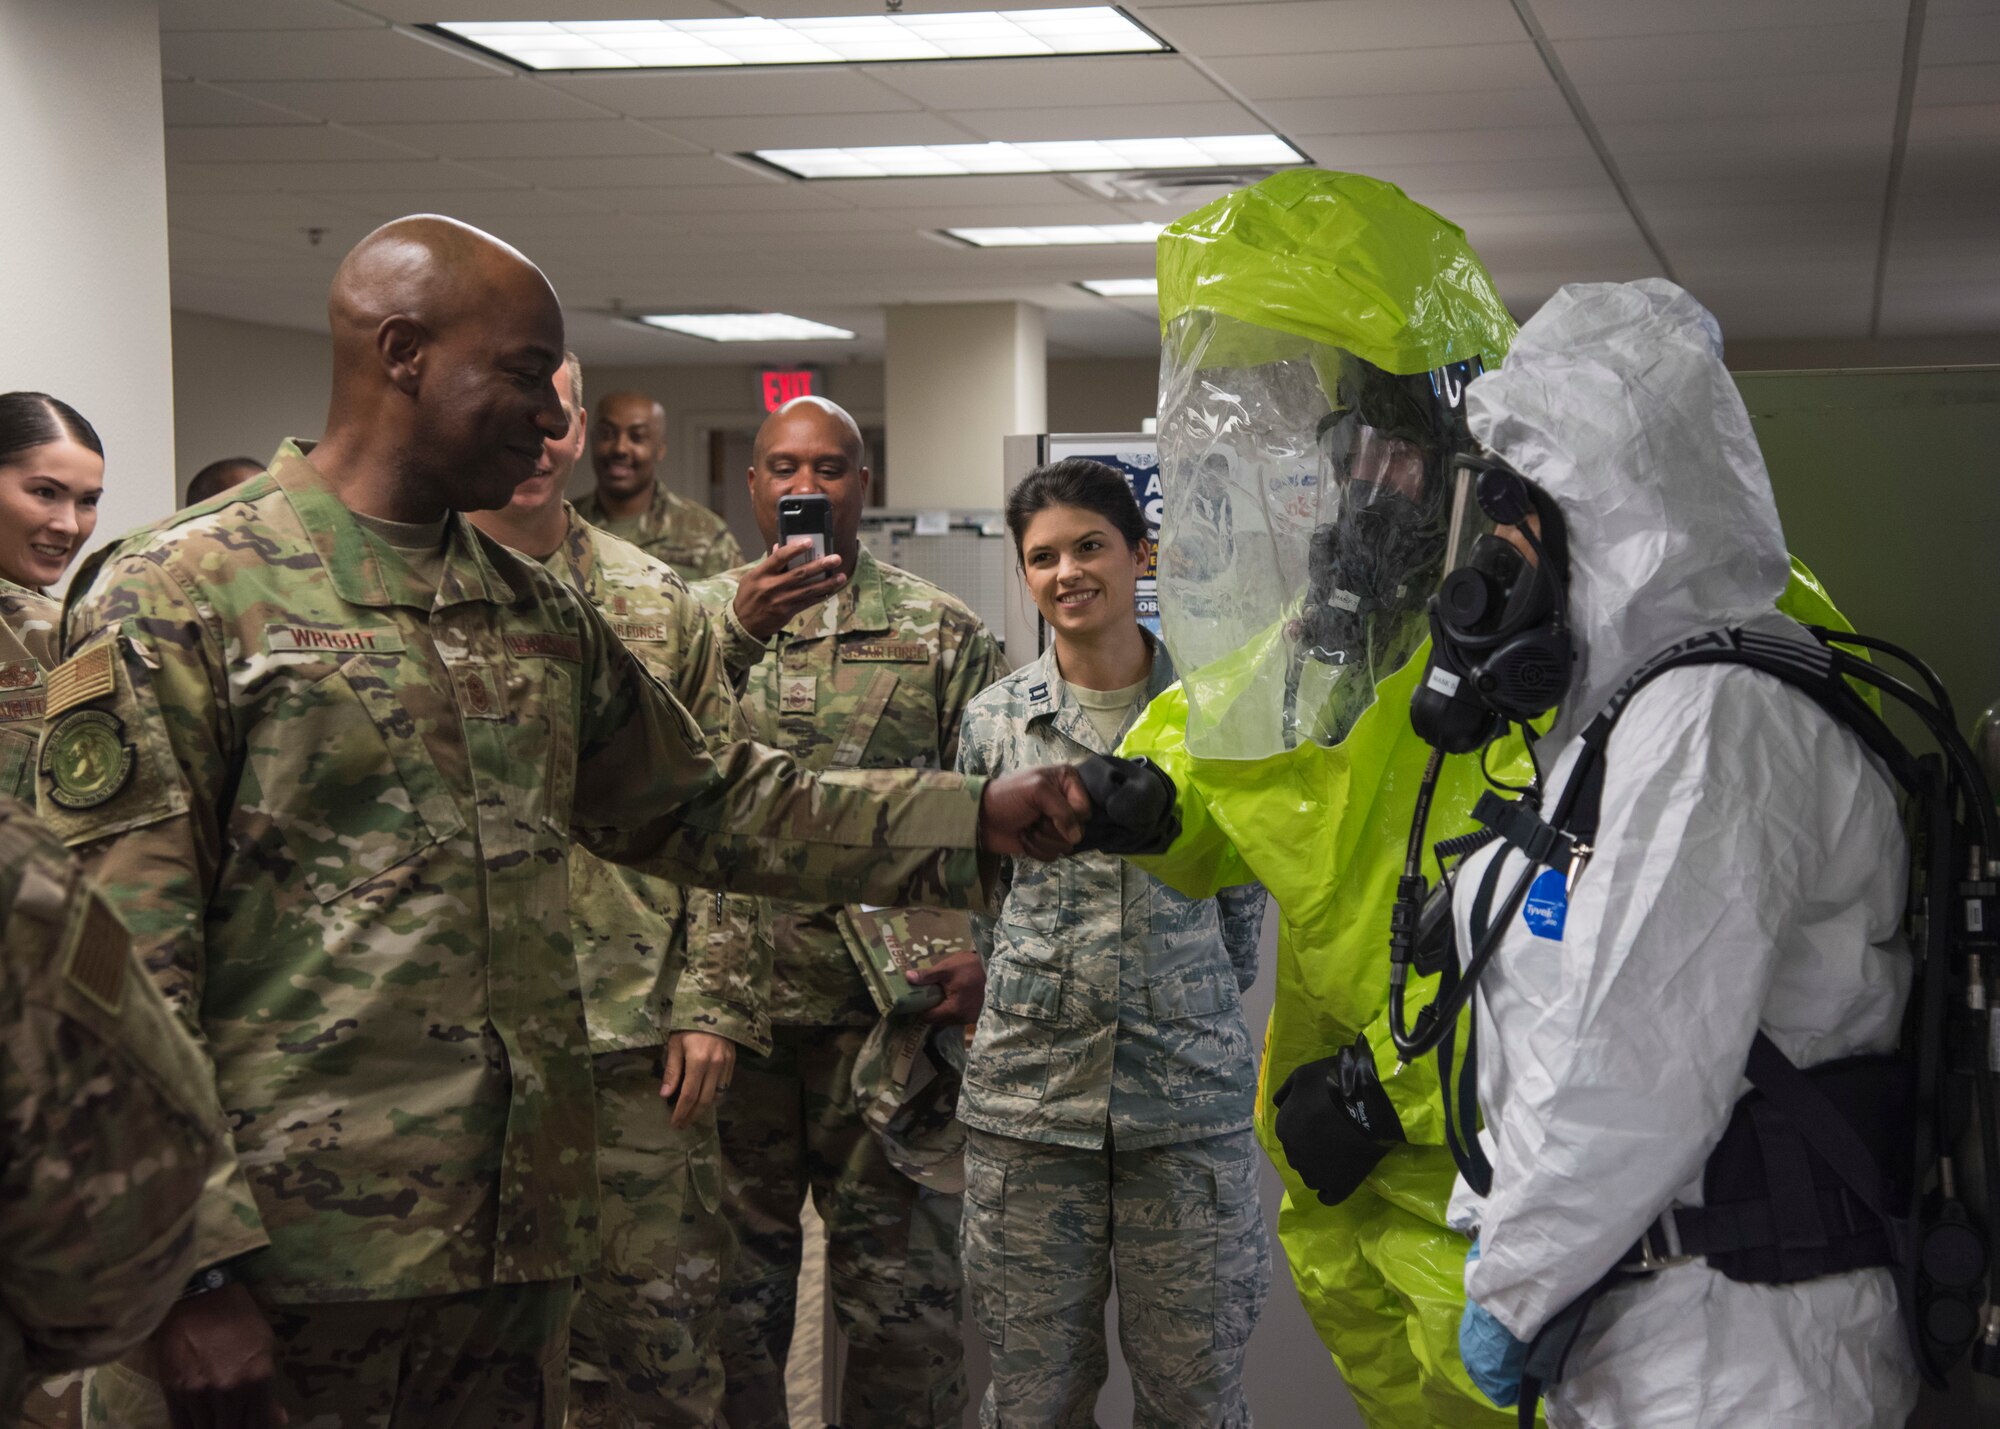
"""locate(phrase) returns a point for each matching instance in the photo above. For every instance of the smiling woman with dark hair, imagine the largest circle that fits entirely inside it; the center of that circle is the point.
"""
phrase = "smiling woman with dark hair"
(51, 474)
(1110, 1080)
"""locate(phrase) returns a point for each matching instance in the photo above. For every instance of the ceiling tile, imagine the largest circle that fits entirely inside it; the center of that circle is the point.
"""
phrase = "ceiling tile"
(1444, 69)
(1414, 113)
(563, 138)
(1026, 83)
(488, 208)
(686, 95)
(186, 102)
(275, 143)
(741, 134)
(1957, 126)
(752, 198)
(1128, 121)
(426, 11)
(326, 54)
(1581, 19)
(1269, 29)
(996, 190)
(1462, 206)
(1365, 153)
(1814, 49)
(1774, 138)
(637, 170)
(391, 101)
(414, 176)
(260, 15)
(1716, 187)
(1461, 176)
(1959, 84)
(1961, 39)
(1867, 92)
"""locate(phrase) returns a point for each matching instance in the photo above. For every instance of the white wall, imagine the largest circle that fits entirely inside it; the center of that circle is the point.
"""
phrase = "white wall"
(241, 388)
(83, 251)
(961, 378)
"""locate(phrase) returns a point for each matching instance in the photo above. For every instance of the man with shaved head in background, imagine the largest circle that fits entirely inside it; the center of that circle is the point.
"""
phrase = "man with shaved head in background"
(626, 443)
(866, 667)
(325, 748)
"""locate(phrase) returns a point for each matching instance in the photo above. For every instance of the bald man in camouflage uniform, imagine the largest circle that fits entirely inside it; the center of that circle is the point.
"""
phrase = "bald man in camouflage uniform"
(111, 1125)
(626, 444)
(673, 980)
(326, 748)
(874, 678)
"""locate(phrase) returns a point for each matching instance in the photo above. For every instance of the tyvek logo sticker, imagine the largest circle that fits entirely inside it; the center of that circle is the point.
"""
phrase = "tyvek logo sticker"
(1547, 907)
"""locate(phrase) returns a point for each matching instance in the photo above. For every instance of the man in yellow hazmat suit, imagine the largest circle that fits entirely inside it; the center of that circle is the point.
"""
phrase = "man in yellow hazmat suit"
(1318, 329)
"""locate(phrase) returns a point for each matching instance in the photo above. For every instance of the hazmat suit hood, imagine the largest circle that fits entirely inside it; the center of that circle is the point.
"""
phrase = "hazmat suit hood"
(1615, 402)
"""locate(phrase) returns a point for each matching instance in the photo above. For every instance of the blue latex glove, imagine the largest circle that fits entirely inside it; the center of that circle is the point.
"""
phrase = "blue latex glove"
(1493, 1357)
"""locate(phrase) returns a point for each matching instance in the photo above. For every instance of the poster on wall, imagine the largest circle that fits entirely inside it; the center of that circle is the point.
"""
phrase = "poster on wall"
(1138, 457)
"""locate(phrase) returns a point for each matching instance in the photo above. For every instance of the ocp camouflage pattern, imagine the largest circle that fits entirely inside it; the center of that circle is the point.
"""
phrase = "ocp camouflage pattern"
(343, 853)
(110, 1124)
(1113, 1008)
(876, 678)
(652, 956)
(686, 535)
(30, 643)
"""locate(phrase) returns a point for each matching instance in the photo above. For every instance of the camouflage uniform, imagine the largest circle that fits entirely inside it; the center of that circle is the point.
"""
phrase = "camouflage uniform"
(1113, 1024)
(334, 804)
(110, 1125)
(29, 645)
(656, 959)
(875, 678)
(686, 535)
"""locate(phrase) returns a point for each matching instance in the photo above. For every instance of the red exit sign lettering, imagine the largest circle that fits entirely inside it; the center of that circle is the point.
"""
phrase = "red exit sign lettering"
(779, 385)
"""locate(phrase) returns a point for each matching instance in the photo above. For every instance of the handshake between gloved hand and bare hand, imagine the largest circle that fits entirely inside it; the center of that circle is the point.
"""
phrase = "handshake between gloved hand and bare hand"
(1104, 804)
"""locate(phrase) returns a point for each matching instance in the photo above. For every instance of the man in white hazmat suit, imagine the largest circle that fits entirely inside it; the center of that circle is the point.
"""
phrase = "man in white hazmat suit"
(1748, 872)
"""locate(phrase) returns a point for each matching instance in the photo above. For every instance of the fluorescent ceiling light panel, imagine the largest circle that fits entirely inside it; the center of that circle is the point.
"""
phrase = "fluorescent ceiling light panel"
(1065, 156)
(1122, 287)
(805, 40)
(747, 327)
(1058, 235)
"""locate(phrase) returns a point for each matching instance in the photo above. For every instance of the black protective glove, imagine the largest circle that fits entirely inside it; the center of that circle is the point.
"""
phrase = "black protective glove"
(1131, 806)
(1335, 1121)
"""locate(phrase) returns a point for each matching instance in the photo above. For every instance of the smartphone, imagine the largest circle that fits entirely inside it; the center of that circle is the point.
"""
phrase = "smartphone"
(806, 516)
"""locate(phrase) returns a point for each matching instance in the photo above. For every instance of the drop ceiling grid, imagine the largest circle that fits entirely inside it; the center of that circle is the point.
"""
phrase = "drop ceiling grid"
(1728, 117)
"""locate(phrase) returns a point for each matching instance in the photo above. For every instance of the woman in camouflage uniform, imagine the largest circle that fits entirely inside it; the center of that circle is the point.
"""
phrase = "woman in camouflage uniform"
(1111, 1078)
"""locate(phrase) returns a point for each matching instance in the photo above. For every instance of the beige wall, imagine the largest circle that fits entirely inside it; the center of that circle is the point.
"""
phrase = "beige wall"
(83, 253)
(241, 388)
(961, 377)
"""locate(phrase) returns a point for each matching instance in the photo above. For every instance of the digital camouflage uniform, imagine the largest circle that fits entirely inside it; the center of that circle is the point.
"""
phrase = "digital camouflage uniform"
(685, 534)
(30, 643)
(655, 958)
(110, 1124)
(1110, 1092)
(334, 804)
(875, 678)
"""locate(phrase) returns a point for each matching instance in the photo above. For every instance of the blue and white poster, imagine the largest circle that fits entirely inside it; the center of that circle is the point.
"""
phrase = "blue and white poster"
(1139, 458)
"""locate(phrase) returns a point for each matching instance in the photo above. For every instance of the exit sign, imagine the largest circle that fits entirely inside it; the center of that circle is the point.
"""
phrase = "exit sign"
(779, 385)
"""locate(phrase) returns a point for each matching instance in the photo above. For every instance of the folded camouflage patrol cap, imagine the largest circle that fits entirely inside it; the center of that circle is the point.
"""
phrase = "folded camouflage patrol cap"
(906, 1083)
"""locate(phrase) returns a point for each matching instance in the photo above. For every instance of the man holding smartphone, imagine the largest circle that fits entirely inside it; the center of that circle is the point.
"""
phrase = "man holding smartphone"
(844, 663)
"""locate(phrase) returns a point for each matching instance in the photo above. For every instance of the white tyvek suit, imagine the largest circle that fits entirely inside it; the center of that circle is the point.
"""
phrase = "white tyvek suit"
(1749, 871)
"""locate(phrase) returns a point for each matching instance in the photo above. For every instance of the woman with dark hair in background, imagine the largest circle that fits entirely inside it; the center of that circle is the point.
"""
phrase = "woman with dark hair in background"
(51, 475)
(1111, 1078)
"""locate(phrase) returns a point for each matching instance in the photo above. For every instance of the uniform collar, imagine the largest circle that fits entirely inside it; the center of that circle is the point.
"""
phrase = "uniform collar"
(1049, 697)
(862, 607)
(351, 560)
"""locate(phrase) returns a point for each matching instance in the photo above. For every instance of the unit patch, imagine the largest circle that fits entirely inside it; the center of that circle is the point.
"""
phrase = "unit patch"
(545, 646)
(86, 759)
(20, 675)
(28, 707)
(90, 675)
(913, 650)
(290, 638)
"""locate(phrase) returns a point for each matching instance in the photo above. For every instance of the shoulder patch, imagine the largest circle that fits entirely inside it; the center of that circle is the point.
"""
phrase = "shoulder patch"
(27, 707)
(290, 638)
(86, 759)
(913, 650)
(20, 675)
(97, 951)
(541, 645)
(88, 675)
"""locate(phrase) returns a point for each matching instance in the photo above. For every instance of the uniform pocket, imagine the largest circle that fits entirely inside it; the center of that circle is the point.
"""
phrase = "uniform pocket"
(351, 789)
(1024, 991)
(1012, 1043)
(1036, 896)
(17, 764)
(983, 1245)
(1175, 914)
(1192, 992)
(1242, 1253)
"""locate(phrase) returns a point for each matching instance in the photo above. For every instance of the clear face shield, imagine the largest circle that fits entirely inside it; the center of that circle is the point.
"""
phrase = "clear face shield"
(1305, 528)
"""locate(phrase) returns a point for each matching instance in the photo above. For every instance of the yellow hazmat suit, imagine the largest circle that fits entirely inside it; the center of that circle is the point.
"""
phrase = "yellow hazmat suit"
(1256, 289)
